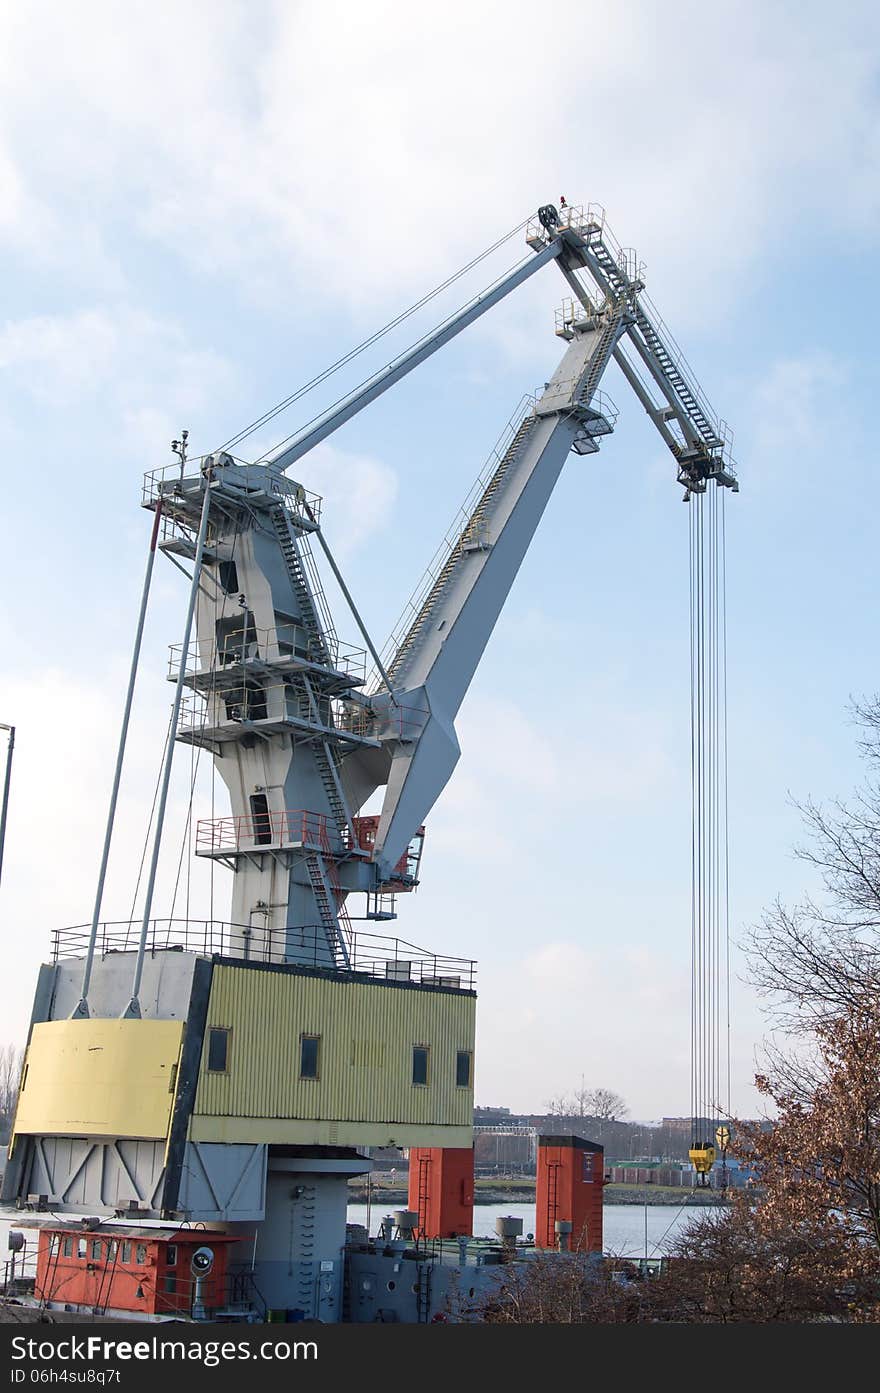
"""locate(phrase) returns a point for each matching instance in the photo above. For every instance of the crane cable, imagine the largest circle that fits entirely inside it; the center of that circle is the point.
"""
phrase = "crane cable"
(368, 342)
(710, 942)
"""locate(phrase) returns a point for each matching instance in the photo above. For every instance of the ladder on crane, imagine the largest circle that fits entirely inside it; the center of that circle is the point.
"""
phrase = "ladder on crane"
(328, 905)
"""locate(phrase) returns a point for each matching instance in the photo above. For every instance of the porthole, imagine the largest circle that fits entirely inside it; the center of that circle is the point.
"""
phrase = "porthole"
(391, 1286)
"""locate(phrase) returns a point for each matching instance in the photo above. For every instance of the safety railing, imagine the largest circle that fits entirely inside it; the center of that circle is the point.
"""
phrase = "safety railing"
(592, 226)
(218, 836)
(247, 645)
(655, 324)
(459, 524)
(373, 955)
(399, 721)
(572, 312)
(216, 712)
(175, 487)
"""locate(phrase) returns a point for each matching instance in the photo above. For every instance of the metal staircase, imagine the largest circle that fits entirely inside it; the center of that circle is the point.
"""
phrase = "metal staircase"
(328, 770)
(472, 537)
(677, 380)
(318, 645)
(622, 287)
(325, 899)
(608, 336)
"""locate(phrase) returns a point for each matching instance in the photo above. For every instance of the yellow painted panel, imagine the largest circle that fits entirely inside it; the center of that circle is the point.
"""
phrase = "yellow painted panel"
(367, 1032)
(282, 1131)
(100, 1078)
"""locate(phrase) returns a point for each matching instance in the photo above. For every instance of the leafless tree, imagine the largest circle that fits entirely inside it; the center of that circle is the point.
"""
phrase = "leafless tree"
(11, 1061)
(602, 1103)
(560, 1106)
(605, 1103)
(820, 959)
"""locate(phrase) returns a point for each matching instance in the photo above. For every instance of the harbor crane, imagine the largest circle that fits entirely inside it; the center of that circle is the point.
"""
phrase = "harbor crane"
(296, 735)
(183, 1032)
(301, 742)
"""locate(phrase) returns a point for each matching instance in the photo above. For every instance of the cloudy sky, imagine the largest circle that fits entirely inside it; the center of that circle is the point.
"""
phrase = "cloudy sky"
(202, 204)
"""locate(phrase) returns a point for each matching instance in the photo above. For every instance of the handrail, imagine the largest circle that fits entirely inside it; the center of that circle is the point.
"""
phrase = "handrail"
(453, 534)
(373, 955)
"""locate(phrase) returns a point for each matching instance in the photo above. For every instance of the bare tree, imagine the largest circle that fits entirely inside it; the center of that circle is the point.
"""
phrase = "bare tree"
(11, 1061)
(560, 1106)
(603, 1103)
(820, 959)
(600, 1103)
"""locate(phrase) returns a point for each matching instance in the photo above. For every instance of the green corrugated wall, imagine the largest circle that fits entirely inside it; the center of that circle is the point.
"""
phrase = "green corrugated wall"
(367, 1033)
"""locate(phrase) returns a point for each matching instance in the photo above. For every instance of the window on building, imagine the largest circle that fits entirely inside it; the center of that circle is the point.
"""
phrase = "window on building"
(67, 1248)
(126, 1251)
(218, 1050)
(171, 1255)
(309, 1056)
(140, 1252)
(228, 576)
(463, 1069)
(420, 1064)
(171, 1283)
(261, 822)
(96, 1250)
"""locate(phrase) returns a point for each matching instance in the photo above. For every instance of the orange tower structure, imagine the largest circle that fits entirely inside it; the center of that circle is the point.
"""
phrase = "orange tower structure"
(441, 1190)
(571, 1173)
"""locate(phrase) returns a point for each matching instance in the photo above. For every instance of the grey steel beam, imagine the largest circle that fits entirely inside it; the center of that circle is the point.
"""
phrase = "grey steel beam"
(82, 1007)
(286, 455)
(10, 746)
(134, 1008)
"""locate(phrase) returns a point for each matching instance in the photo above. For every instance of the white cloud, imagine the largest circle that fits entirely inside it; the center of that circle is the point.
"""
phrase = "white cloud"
(142, 373)
(617, 1014)
(614, 1014)
(359, 493)
(61, 777)
(795, 395)
(350, 152)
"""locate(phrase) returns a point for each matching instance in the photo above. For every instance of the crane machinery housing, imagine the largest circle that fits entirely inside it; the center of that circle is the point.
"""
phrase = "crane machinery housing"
(233, 1073)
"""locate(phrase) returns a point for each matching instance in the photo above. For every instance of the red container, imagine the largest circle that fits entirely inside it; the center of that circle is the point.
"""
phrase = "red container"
(569, 1184)
(120, 1267)
(441, 1190)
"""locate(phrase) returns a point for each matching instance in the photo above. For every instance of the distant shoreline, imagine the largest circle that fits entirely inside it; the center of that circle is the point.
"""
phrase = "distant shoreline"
(524, 1193)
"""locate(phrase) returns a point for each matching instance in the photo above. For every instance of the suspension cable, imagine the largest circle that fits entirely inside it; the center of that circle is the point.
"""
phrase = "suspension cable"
(417, 343)
(710, 862)
(196, 754)
(368, 342)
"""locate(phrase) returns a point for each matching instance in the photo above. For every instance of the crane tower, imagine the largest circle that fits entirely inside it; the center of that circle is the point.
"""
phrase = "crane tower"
(235, 1072)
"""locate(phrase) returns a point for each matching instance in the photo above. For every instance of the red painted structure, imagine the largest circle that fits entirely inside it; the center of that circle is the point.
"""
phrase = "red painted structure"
(441, 1190)
(405, 875)
(119, 1267)
(571, 1173)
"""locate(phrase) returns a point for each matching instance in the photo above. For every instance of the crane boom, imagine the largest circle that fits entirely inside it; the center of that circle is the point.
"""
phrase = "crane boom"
(331, 420)
(434, 661)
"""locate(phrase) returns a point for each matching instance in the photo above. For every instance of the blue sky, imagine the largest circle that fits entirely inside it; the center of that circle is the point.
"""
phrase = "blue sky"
(203, 204)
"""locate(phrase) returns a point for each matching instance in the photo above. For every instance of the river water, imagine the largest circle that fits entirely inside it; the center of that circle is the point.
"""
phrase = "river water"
(625, 1225)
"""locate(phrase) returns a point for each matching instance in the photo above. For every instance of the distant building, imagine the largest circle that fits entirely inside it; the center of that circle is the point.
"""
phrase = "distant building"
(488, 1117)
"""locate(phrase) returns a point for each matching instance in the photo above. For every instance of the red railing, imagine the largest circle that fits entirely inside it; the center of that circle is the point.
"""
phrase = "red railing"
(407, 868)
(292, 827)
